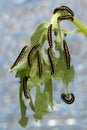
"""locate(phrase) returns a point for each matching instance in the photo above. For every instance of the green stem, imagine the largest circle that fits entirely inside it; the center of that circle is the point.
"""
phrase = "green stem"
(71, 31)
(80, 26)
(60, 32)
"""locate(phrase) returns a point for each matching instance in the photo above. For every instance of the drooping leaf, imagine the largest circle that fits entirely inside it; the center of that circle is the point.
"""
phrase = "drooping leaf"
(68, 74)
(35, 38)
(41, 104)
(49, 90)
(22, 73)
(32, 105)
(35, 80)
(24, 120)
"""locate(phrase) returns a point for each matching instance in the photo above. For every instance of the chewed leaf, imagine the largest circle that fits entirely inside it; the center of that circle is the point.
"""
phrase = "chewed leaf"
(34, 69)
(24, 120)
(49, 90)
(41, 104)
(35, 80)
(58, 71)
(32, 105)
(38, 33)
(67, 74)
(22, 73)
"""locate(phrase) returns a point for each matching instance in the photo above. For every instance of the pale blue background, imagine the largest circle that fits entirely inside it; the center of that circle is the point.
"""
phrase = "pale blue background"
(18, 20)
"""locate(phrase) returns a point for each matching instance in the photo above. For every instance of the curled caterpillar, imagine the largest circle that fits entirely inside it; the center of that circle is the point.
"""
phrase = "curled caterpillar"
(39, 63)
(68, 101)
(61, 8)
(65, 17)
(30, 54)
(25, 87)
(67, 9)
(51, 61)
(56, 10)
(20, 56)
(49, 35)
(66, 50)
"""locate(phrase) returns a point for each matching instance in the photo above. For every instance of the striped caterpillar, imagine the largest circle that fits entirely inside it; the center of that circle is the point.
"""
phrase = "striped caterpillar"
(56, 10)
(61, 8)
(20, 56)
(51, 61)
(65, 17)
(39, 63)
(66, 50)
(25, 87)
(67, 9)
(30, 54)
(49, 35)
(68, 101)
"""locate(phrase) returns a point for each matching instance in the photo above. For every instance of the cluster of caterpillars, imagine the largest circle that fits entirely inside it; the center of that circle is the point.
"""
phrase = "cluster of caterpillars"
(34, 49)
(70, 16)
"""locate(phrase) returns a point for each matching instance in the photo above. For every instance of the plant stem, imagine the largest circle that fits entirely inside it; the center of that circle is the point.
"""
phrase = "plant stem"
(71, 31)
(80, 26)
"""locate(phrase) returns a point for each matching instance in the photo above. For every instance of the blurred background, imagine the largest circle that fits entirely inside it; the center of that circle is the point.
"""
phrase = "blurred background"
(18, 21)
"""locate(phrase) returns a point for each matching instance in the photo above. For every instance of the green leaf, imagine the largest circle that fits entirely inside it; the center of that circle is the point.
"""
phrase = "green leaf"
(49, 90)
(38, 37)
(24, 120)
(35, 80)
(67, 74)
(58, 71)
(34, 67)
(41, 104)
(38, 33)
(32, 105)
(22, 73)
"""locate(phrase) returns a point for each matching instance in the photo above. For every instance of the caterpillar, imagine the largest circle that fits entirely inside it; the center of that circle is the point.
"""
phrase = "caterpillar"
(67, 9)
(61, 8)
(56, 10)
(65, 17)
(68, 101)
(66, 50)
(20, 56)
(39, 63)
(49, 35)
(30, 54)
(25, 87)
(51, 61)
